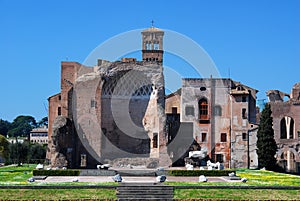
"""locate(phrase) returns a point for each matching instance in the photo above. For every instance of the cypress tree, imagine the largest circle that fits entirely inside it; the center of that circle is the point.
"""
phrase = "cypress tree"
(266, 145)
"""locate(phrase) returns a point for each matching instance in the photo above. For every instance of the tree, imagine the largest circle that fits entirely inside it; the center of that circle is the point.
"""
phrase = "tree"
(4, 127)
(266, 145)
(43, 122)
(4, 150)
(37, 153)
(21, 126)
(18, 152)
(26, 152)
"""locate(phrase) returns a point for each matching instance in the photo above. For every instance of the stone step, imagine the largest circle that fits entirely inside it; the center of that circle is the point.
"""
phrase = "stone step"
(146, 196)
(144, 191)
(146, 187)
(148, 192)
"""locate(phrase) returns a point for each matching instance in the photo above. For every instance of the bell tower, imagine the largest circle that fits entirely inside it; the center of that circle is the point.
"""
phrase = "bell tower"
(152, 40)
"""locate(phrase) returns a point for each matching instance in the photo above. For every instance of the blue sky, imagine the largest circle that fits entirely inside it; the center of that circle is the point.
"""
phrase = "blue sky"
(257, 40)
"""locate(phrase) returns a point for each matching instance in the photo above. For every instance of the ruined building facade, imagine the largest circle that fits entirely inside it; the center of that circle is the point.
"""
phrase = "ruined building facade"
(111, 111)
(221, 114)
(286, 125)
(117, 113)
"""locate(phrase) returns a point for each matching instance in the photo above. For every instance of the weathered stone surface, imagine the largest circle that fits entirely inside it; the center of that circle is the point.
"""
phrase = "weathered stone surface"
(223, 113)
(286, 118)
(62, 131)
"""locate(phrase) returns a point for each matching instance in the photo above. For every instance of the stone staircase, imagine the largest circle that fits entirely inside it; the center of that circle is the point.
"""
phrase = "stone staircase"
(144, 192)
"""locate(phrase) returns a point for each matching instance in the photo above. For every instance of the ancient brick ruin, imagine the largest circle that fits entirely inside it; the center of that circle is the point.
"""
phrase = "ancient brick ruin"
(117, 113)
(111, 111)
(286, 118)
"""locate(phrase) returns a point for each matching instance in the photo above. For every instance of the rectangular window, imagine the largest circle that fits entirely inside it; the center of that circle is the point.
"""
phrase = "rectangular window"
(204, 135)
(223, 137)
(244, 99)
(245, 136)
(155, 140)
(83, 160)
(174, 110)
(59, 111)
(219, 158)
(203, 110)
(244, 115)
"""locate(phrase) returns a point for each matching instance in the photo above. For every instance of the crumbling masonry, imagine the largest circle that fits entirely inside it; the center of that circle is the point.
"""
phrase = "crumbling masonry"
(110, 112)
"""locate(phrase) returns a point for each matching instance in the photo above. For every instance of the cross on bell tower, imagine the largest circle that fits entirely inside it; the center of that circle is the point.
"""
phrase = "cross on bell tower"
(152, 40)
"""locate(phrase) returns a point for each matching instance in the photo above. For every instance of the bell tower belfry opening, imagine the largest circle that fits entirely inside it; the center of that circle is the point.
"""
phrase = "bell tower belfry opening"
(152, 40)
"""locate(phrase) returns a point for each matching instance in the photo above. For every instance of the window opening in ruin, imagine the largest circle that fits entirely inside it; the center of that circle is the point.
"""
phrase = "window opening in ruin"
(244, 99)
(83, 160)
(244, 115)
(292, 128)
(245, 136)
(283, 134)
(148, 46)
(174, 110)
(202, 88)
(59, 111)
(219, 158)
(128, 84)
(203, 109)
(59, 97)
(287, 128)
(204, 135)
(239, 88)
(155, 140)
(156, 46)
(223, 137)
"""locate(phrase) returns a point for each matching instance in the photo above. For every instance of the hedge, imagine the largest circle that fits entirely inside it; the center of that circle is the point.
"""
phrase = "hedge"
(200, 172)
(56, 172)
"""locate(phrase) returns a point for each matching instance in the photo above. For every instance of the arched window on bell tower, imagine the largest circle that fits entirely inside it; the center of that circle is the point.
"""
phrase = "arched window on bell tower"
(152, 41)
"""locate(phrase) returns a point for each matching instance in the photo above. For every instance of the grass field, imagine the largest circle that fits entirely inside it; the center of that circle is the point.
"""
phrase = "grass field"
(254, 178)
(237, 194)
(56, 194)
(19, 175)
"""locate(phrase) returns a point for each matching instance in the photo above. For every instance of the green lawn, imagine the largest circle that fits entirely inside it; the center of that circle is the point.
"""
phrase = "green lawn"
(237, 194)
(268, 178)
(19, 175)
(13, 175)
(56, 194)
(254, 178)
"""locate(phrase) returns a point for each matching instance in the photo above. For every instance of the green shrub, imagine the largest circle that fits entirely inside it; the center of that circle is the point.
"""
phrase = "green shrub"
(56, 172)
(199, 172)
